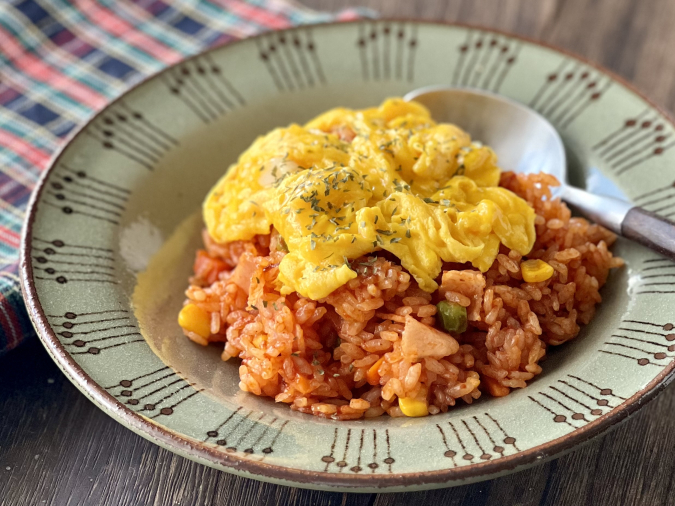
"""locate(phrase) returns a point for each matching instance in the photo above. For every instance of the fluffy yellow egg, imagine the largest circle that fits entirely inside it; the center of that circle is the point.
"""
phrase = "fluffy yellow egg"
(354, 182)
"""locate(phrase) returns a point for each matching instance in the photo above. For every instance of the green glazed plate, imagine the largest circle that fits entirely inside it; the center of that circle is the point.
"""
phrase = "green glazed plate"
(114, 223)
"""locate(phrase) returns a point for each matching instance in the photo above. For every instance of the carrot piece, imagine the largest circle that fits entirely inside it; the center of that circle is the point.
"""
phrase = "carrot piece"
(373, 376)
(207, 267)
(303, 385)
(494, 387)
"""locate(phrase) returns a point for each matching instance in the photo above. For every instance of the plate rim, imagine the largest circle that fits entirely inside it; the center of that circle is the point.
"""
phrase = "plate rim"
(184, 446)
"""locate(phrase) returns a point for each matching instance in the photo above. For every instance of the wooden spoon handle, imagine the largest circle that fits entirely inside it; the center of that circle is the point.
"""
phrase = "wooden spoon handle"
(650, 230)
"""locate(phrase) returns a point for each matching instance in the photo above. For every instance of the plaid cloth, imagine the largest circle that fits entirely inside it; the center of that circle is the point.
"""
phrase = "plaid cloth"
(62, 60)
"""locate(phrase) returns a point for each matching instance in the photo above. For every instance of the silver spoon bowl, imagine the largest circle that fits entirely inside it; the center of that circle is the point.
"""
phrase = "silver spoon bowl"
(525, 141)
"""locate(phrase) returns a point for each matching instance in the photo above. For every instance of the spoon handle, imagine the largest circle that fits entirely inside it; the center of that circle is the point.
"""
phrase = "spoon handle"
(650, 230)
(625, 219)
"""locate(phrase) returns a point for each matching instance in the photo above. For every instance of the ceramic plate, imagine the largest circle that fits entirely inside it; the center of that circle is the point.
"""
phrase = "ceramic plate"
(114, 224)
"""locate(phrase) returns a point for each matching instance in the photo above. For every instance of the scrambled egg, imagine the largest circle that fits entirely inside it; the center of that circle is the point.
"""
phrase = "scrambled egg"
(353, 182)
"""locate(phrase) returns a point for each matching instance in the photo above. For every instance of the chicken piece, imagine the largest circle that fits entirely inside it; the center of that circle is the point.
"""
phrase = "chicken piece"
(420, 340)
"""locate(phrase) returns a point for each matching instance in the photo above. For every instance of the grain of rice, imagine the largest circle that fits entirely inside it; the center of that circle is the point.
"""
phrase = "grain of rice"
(555, 224)
(215, 322)
(427, 310)
(412, 377)
(359, 404)
(389, 335)
(415, 301)
(197, 338)
(377, 345)
(373, 412)
(404, 311)
(366, 361)
(392, 317)
(458, 298)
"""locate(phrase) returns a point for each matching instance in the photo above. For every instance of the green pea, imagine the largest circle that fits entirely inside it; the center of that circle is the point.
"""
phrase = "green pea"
(451, 316)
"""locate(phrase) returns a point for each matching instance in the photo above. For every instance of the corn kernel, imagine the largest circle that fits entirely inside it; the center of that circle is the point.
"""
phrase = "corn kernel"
(535, 271)
(195, 319)
(259, 340)
(413, 407)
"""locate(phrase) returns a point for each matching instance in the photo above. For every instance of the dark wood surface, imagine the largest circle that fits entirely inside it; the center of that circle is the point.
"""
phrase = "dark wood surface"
(56, 448)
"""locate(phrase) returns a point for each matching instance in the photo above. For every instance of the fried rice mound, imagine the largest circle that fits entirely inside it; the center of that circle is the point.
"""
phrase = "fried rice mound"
(341, 357)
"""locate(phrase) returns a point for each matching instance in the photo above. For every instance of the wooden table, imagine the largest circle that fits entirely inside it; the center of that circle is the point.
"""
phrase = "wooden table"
(44, 462)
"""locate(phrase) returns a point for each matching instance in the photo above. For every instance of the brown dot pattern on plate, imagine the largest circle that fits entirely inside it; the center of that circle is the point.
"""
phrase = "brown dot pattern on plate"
(133, 136)
(384, 57)
(484, 61)
(478, 436)
(158, 392)
(247, 432)
(359, 450)
(563, 101)
(574, 401)
(203, 88)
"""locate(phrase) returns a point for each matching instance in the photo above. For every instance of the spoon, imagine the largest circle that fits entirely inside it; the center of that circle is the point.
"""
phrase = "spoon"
(526, 142)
